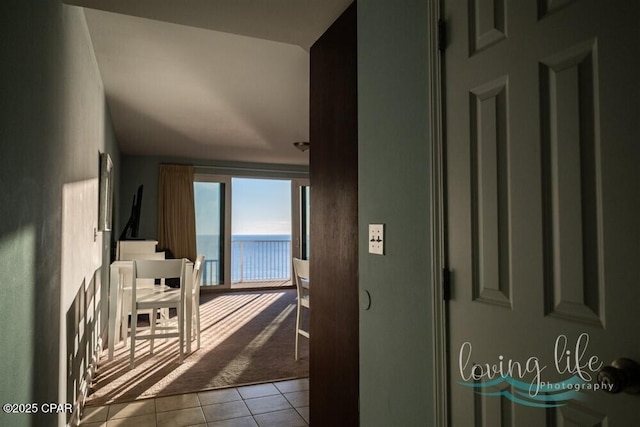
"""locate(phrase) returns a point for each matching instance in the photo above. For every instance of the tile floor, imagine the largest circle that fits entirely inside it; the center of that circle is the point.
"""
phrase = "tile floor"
(279, 404)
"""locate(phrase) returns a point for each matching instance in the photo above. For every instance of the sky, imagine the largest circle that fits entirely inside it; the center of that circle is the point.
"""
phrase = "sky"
(258, 206)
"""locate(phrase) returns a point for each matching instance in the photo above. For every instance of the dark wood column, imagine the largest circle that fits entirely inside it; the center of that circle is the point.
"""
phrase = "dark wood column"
(333, 355)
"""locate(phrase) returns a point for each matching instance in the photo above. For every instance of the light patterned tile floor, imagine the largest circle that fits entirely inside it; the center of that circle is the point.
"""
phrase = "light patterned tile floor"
(279, 404)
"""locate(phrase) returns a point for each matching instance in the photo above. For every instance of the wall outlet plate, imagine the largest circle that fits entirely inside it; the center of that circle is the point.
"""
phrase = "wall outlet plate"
(376, 239)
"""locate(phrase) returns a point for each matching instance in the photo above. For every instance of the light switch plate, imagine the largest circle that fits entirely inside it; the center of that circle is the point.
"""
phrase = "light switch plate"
(376, 239)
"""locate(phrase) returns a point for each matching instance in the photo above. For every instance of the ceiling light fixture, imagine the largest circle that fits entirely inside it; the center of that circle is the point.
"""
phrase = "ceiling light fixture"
(302, 145)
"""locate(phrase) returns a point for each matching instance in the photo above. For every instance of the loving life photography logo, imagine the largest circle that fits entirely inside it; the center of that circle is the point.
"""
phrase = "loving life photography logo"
(522, 381)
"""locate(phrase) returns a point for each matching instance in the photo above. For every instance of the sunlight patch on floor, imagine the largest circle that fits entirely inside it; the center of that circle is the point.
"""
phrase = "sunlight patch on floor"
(257, 343)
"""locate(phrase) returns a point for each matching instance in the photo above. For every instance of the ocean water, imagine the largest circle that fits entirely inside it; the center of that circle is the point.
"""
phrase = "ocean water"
(253, 257)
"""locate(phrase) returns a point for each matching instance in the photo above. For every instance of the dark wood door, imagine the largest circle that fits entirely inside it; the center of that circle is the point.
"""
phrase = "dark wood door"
(333, 351)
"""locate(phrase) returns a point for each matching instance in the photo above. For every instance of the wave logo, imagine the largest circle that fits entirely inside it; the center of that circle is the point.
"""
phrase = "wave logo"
(542, 395)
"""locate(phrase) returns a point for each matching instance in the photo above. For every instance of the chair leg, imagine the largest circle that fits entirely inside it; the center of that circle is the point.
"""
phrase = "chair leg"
(197, 328)
(125, 331)
(118, 323)
(124, 317)
(134, 321)
(181, 322)
(153, 316)
(297, 329)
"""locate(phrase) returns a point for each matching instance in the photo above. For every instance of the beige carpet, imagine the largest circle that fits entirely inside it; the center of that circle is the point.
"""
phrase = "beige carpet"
(247, 338)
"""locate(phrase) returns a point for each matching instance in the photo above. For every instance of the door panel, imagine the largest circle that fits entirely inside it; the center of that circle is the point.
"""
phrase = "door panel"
(571, 191)
(489, 192)
(542, 161)
(333, 170)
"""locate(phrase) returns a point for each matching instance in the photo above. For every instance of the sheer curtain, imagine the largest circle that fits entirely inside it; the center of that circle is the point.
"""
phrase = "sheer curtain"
(176, 212)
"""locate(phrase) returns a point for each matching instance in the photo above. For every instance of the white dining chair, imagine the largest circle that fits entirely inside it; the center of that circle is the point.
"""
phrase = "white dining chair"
(143, 286)
(301, 278)
(175, 298)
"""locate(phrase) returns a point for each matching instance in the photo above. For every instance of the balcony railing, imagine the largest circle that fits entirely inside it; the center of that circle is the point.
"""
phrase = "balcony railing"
(256, 260)
(210, 271)
(252, 261)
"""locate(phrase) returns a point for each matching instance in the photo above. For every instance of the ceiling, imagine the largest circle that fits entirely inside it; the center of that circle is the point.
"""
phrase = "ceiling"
(209, 79)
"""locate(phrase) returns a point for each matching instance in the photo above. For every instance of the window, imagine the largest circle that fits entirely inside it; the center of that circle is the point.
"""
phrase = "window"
(249, 228)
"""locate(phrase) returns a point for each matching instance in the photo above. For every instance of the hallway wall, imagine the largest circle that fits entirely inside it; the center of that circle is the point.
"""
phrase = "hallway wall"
(396, 360)
(53, 125)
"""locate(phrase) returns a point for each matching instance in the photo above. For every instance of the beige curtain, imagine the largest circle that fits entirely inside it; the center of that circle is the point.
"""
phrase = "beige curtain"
(176, 211)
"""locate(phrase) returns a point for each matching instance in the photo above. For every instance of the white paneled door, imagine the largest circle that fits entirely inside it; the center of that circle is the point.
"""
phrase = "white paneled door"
(542, 139)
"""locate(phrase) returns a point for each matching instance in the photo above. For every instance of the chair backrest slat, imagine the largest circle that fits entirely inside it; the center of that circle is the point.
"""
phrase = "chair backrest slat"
(300, 271)
(158, 269)
(301, 268)
(144, 283)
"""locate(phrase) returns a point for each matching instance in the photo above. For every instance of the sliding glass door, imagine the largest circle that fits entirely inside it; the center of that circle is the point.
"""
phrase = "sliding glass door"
(212, 237)
(261, 232)
(248, 229)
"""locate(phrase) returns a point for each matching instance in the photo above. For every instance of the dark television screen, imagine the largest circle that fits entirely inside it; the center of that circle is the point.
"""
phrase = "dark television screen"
(130, 231)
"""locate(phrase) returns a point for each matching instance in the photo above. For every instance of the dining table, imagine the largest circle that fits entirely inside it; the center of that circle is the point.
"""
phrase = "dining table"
(119, 272)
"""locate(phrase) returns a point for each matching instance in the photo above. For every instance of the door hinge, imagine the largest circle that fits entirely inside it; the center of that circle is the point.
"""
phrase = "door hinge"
(442, 34)
(446, 284)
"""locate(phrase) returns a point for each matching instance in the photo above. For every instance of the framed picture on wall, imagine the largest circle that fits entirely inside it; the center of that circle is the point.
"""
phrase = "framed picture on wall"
(106, 193)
